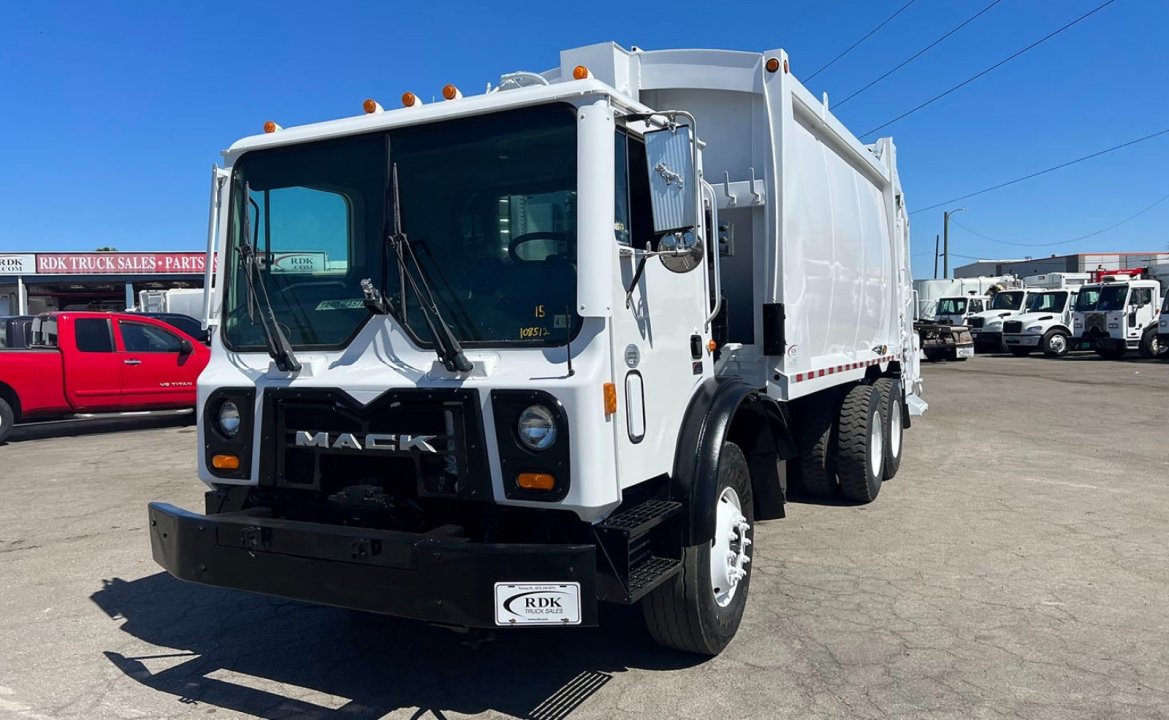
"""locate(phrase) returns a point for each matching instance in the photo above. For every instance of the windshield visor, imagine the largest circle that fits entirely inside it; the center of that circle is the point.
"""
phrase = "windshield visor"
(488, 204)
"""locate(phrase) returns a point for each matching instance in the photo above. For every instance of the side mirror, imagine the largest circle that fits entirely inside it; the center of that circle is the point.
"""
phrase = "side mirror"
(672, 178)
(185, 347)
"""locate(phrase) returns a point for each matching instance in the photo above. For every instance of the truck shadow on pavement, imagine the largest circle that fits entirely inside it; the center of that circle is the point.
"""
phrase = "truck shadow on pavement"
(275, 658)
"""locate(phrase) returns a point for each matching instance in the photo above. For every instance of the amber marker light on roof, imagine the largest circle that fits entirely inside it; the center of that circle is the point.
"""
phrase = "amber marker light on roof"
(450, 92)
(409, 99)
(372, 106)
(271, 127)
(772, 65)
(580, 72)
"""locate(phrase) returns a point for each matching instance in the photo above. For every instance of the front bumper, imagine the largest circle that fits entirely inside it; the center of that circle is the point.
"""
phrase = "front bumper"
(1022, 340)
(1102, 342)
(992, 341)
(432, 577)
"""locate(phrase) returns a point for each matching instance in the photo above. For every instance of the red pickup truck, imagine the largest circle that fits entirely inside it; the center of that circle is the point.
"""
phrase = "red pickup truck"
(98, 362)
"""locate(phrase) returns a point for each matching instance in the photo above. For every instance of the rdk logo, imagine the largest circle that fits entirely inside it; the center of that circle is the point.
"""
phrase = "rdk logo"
(542, 602)
(372, 442)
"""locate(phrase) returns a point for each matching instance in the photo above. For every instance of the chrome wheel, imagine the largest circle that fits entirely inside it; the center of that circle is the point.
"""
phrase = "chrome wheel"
(876, 444)
(728, 549)
(1058, 344)
(895, 430)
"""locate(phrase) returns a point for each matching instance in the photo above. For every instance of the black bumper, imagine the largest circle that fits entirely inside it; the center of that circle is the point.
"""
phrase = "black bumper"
(435, 578)
(989, 341)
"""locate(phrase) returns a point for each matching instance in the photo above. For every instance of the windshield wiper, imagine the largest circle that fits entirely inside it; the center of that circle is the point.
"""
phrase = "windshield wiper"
(278, 346)
(446, 346)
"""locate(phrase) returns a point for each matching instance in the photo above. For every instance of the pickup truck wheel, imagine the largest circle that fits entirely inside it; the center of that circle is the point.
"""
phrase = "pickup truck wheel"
(892, 398)
(815, 431)
(7, 420)
(699, 610)
(1055, 343)
(1020, 351)
(860, 455)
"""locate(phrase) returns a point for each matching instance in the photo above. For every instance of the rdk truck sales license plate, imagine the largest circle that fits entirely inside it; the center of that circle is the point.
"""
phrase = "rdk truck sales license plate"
(537, 604)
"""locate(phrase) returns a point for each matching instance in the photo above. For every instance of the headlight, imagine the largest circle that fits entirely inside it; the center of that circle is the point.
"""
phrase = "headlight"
(536, 428)
(228, 419)
(1035, 329)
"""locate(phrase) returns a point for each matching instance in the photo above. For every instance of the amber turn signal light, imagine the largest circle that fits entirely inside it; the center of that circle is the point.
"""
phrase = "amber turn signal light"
(535, 481)
(610, 398)
(225, 462)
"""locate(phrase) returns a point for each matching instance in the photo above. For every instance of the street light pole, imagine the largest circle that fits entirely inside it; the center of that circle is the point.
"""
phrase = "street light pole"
(937, 239)
(946, 241)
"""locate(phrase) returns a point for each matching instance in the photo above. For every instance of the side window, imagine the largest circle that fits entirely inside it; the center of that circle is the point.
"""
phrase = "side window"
(1142, 297)
(148, 339)
(633, 224)
(93, 335)
(975, 306)
(302, 230)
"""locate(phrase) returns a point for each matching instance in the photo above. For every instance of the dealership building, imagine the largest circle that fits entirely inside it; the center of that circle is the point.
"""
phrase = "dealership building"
(36, 282)
(1078, 262)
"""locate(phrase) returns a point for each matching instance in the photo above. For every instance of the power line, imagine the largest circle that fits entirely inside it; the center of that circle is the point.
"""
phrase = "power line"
(858, 42)
(1134, 216)
(997, 65)
(919, 53)
(1045, 171)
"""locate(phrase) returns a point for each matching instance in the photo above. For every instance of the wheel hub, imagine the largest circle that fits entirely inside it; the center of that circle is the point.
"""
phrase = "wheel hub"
(728, 549)
(895, 430)
(876, 444)
(1058, 343)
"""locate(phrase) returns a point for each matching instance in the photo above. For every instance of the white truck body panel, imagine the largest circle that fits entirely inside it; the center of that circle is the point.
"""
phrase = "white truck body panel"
(929, 291)
(819, 219)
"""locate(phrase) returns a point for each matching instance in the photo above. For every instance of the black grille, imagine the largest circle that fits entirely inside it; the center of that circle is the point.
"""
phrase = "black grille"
(423, 441)
(1095, 321)
(976, 322)
(1013, 326)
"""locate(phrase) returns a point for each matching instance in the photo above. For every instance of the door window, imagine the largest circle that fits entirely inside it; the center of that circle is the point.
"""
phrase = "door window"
(633, 224)
(140, 338)
(93, 335)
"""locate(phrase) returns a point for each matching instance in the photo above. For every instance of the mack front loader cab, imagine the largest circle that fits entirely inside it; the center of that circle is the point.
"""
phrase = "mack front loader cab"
(987, 326)
(1118, 315)
(1046, 325)
(489, 361)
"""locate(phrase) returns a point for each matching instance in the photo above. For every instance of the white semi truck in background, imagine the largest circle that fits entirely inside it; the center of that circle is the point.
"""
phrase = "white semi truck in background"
(987, 326)
(574, 336)
(1117, 315)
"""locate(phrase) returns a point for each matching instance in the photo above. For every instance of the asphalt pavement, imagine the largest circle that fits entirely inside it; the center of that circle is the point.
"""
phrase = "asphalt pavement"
(1016, 567)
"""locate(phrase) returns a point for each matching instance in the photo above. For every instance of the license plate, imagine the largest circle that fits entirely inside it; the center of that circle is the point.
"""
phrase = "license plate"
(965, 352)
(537, 604)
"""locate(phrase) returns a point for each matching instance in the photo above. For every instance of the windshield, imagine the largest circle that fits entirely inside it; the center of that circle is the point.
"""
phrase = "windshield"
(1047, 302)
(489, 205)
(1087, 298)
(952, 306)
(1112, 297)
(1007, 300)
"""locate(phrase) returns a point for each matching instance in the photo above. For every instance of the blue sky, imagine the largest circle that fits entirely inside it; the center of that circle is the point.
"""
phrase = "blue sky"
(113, 112)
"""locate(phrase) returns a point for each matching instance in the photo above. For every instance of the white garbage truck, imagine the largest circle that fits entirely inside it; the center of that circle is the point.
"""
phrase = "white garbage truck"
(569, 341)
(1116, 315)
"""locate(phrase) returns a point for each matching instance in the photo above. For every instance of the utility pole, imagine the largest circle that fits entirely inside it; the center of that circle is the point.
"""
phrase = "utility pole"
(937, 238)
(946, 240)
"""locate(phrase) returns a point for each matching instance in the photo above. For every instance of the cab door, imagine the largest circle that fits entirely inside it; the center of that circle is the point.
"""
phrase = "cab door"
(155, 365)
(93, 369)
(1142, 311)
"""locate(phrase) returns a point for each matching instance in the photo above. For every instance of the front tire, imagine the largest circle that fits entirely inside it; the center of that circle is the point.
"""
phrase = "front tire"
(1055, 343)
(700, 609)
(860, 459)
(1150, 347)
(7, 420)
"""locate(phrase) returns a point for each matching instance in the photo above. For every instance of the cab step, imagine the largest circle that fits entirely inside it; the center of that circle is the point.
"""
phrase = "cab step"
(639, 548)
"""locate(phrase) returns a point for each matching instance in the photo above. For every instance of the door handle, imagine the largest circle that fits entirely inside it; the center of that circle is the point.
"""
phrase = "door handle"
(133, 361)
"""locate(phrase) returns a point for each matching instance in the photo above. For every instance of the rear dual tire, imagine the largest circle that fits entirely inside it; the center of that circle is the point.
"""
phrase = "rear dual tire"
(860, 448)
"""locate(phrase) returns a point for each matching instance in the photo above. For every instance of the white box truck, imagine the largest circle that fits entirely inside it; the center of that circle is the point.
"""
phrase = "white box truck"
(1045, 325)
(574, 336)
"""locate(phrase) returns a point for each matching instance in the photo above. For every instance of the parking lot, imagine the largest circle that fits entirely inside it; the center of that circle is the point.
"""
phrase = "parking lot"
(1017, 566)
